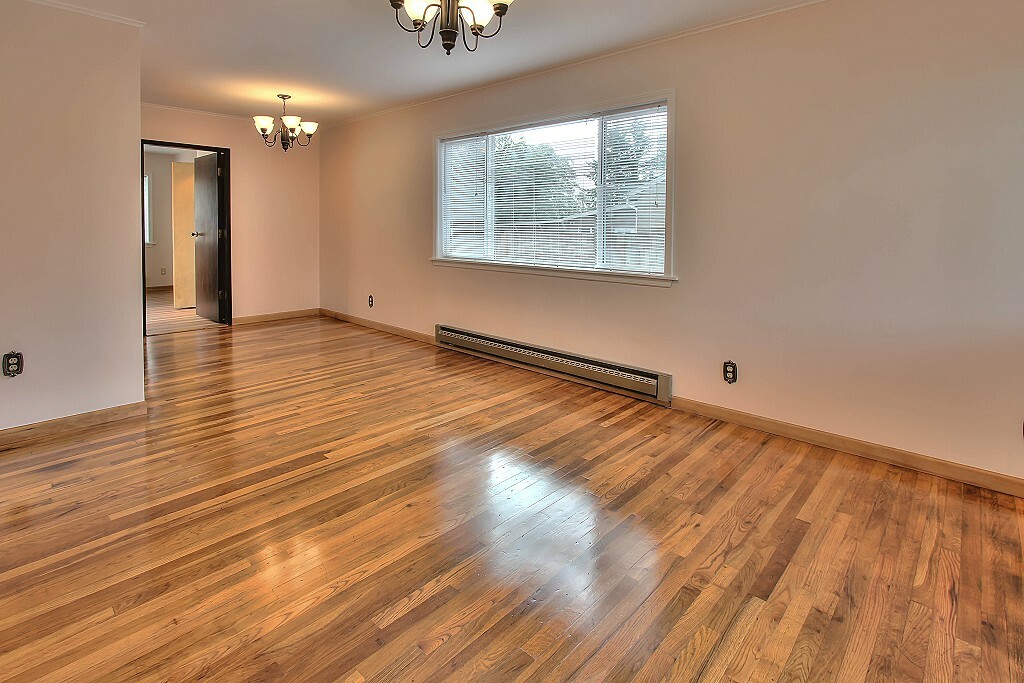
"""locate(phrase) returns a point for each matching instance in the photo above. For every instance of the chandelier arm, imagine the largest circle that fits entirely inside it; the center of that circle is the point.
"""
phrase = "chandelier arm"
(433, 30)
(398, 18)
(496, 31)
(298, 141)
(472, 15)
(465, 40)
(271, 141)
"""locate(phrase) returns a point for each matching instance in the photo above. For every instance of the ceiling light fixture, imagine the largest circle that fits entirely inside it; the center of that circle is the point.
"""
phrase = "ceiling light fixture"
(291, 131)
(452, 15)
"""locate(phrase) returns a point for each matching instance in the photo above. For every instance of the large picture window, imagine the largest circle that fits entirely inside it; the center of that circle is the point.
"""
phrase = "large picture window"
(585, 195)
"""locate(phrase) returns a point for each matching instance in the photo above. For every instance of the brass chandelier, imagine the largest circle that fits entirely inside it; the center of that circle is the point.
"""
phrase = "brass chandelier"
(449, 18)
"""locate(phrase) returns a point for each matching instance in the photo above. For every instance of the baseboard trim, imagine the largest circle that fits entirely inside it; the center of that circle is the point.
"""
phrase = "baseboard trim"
(15, 436)
(283, 315)
(381, 327)
(946, 469)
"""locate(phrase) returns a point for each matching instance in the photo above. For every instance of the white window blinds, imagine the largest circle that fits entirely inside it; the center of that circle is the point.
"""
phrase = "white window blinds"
(586, 194)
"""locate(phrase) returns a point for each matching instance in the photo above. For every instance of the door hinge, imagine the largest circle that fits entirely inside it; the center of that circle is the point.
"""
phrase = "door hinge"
(223, 294)
(220, 171)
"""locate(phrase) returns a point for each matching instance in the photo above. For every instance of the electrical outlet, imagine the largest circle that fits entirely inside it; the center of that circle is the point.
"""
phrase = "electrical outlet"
(13, 364)
(370, 301)
(163, 271)
(730, 373)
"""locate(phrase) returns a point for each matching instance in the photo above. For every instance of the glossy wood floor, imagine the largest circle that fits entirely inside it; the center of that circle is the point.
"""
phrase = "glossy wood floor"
(314, 501)
(163, 318)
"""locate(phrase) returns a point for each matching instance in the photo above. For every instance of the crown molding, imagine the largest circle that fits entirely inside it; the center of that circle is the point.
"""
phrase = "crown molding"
(194, 111)
(96, 14)
(586, 60)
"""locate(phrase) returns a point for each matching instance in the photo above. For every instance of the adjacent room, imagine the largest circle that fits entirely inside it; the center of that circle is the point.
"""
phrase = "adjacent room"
(170, 236)
(530, 341)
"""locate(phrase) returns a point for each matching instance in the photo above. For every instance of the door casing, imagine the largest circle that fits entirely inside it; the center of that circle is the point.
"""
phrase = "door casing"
(224, 209)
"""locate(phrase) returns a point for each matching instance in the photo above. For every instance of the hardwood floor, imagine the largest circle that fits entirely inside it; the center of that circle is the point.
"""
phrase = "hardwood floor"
(163, 318)
(314, 501)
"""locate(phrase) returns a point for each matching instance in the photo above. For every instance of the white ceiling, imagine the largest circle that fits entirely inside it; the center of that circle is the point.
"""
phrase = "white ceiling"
(343, 58)
(183, 155)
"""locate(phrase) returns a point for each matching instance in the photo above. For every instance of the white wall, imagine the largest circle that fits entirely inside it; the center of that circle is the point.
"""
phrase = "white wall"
(275, 209)
(849, 223)
(159, 255)
(70, 271)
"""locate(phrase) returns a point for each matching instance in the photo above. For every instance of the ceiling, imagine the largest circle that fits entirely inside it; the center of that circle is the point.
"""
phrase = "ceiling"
(181, 154)
(343, 58)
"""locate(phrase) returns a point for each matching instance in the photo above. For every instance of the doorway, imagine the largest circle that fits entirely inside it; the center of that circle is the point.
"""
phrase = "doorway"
(186, 225)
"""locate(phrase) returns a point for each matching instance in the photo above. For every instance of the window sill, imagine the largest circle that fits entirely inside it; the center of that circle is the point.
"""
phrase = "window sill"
(601, 276)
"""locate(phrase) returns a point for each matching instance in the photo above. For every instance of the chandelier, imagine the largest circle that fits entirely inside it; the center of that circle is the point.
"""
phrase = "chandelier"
(291, 131)
(452, 15)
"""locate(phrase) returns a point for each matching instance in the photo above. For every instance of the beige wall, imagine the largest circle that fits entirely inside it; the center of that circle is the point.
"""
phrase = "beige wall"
(159, 255)
(275, 209)
(848, 225)
(70, 272)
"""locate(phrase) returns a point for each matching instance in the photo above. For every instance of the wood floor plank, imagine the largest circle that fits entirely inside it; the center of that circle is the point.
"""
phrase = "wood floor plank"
(310, 500)
(163, 318)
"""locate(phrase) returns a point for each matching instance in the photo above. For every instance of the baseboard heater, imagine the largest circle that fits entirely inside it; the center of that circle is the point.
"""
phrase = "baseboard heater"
(646, 384)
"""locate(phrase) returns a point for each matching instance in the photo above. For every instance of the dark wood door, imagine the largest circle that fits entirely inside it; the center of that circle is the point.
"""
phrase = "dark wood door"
(207, 235)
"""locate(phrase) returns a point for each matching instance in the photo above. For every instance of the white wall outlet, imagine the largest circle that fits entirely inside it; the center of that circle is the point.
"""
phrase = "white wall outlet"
(163, 271)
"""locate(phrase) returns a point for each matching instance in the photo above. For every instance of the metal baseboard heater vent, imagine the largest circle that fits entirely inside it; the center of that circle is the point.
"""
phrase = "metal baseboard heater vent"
(656, 386)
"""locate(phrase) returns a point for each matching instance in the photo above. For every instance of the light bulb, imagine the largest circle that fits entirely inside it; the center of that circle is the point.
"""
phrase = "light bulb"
(480, 11)
(420, 10)
(264, 124)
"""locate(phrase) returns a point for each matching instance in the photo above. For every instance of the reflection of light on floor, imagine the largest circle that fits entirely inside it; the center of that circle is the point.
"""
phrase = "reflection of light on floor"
(293, 561)
(548, 523)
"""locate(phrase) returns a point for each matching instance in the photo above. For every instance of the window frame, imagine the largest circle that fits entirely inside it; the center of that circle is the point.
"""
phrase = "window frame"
(664, 98)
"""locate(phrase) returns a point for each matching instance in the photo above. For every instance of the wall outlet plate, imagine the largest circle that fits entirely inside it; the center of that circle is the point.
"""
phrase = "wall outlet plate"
(13, 364)
(730, 373)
